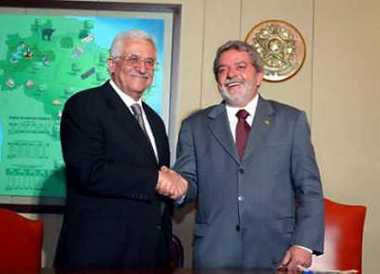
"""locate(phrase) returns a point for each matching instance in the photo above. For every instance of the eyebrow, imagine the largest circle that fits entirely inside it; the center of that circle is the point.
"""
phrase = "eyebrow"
(236, 63)
(138, 55)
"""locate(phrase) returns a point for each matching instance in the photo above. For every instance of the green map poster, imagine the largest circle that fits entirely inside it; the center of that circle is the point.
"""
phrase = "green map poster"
(43, 61)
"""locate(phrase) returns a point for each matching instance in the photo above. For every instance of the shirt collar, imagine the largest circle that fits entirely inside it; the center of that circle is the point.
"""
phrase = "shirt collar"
(250, 107)
(128, 100)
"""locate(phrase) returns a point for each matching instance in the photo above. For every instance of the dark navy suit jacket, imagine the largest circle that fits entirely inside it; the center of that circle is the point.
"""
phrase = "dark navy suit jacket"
(113, 217)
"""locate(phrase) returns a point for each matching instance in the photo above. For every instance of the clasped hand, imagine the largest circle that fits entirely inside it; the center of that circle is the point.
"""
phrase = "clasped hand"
(171, 184)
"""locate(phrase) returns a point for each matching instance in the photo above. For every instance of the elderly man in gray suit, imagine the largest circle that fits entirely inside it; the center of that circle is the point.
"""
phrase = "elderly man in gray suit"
(251, 168)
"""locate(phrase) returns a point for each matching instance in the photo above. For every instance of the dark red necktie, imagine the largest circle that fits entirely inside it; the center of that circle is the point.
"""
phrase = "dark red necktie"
(242, 131)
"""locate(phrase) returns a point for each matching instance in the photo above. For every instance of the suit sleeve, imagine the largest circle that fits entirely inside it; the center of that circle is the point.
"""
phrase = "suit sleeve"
(186, 163)
(88, 168)
(308, 190)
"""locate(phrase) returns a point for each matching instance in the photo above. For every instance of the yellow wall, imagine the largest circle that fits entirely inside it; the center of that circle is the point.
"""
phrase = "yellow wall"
(345, 110)
(338, 87)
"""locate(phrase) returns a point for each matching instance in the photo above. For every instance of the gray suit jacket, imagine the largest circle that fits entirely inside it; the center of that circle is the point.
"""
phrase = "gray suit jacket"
(251, 211)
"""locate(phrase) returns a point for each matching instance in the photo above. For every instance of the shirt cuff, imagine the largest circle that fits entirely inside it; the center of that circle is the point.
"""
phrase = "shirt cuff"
(180, 200)
(305, 248)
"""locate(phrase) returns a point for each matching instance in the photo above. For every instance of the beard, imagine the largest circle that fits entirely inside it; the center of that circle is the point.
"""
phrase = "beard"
(241, 98)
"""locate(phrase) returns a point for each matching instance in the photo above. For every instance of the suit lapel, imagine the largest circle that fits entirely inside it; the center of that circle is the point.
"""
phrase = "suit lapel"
(260, 126)
(219, 127)
(125, 118)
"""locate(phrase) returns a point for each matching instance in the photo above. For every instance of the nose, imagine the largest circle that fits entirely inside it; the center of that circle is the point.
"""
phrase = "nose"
(231, 73)
(140, 66)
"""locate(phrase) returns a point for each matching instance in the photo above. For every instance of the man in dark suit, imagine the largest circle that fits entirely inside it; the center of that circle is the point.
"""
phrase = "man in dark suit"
(251, 168)
(113, 146)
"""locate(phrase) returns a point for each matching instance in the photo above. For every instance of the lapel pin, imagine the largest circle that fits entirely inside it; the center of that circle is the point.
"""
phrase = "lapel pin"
(267, 122)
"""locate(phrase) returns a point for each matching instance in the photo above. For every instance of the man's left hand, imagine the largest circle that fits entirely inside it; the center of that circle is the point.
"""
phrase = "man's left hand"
(171, 184)
(295, 259)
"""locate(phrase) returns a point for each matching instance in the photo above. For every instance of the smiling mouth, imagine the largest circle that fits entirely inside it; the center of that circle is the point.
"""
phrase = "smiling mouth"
(233, 84)
(145, 77)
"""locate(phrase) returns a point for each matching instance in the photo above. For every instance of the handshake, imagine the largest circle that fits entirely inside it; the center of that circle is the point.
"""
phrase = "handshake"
(171, 184)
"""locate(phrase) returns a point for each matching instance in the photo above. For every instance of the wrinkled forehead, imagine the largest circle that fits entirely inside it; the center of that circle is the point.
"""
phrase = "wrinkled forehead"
(234, 56)
(141, 47)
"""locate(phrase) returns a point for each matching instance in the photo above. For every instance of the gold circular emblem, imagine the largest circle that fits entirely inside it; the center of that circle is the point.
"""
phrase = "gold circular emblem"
(281, 48)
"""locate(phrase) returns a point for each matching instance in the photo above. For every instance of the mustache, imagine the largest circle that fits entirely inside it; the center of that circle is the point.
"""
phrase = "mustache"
(233, 81)
(141, 75)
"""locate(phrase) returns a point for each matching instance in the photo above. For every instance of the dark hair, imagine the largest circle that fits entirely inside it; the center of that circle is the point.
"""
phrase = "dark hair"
(239, 46)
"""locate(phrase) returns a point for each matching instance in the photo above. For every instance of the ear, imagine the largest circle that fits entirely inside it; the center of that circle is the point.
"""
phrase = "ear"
(111, 65)
(260, 78)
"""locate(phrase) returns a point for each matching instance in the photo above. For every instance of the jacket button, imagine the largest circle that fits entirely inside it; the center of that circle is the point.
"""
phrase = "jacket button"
(158, 227)
(240, 198)
(237, 228)
(241, 170)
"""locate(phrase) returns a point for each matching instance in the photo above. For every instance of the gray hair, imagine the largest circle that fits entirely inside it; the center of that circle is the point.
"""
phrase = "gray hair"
(239, 46)
(119, 41)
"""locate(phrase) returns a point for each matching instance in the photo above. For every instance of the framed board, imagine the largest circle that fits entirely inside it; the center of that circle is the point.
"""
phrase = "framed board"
(50, 50)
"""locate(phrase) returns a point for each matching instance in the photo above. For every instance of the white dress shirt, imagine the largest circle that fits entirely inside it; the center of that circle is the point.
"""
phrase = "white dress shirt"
(231, 114)
(129, 101)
